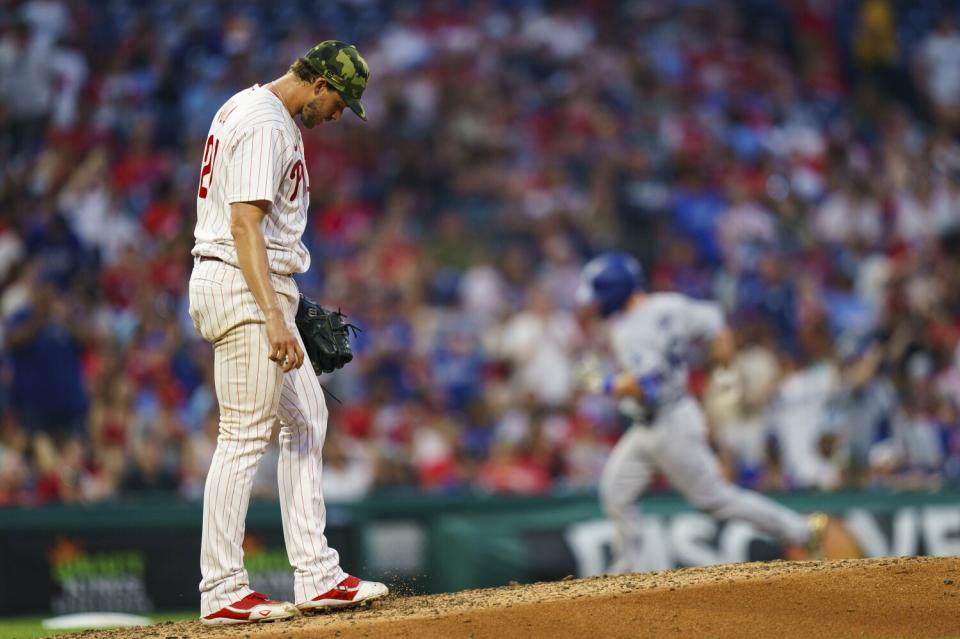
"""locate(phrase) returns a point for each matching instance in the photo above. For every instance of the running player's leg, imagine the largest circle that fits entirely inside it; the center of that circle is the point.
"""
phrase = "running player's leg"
(691, 466)
(303, 426)
(248, 390)
(625, 476)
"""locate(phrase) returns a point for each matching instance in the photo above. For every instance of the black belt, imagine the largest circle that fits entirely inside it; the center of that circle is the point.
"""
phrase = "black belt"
(210, 258)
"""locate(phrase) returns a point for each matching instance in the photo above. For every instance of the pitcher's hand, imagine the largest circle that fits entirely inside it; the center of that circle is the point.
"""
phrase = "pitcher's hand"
(284, 348)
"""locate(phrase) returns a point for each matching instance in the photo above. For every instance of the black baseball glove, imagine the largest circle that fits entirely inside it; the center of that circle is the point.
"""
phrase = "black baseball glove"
(325, 336)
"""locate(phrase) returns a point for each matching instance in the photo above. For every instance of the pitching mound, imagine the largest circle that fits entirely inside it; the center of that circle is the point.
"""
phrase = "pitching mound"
(902, 597)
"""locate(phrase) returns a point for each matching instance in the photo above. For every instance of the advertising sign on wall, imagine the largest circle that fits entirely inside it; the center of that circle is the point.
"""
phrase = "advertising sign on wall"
(142, 558)
(76, 569)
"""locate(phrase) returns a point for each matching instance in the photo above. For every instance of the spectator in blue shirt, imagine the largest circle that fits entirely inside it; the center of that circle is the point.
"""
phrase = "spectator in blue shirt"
(46, 342)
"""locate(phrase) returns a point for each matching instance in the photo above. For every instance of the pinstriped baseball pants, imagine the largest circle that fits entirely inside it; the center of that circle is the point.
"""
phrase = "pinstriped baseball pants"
(253, 392)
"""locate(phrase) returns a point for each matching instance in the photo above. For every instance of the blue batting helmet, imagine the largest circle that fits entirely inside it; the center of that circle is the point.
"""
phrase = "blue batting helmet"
(608, 281)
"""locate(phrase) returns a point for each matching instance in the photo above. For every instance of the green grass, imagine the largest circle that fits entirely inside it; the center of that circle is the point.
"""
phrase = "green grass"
(29, 627)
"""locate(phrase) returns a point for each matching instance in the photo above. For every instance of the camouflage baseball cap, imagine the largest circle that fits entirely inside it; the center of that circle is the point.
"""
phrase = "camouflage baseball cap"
(344, 68)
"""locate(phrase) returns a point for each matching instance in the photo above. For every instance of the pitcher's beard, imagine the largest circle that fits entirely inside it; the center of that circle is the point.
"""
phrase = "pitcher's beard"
(310, 116)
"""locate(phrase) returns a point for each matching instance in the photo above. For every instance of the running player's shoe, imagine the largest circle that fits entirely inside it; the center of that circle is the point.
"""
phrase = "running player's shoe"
(818, 532)
(349, 592)
(253, 608)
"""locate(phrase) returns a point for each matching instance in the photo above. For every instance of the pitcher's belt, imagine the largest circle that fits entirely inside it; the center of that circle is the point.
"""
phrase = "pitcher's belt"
(210, 258)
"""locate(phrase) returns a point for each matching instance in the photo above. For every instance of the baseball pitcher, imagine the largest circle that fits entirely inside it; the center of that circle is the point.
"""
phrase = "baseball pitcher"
(251, 214)
(650, 335)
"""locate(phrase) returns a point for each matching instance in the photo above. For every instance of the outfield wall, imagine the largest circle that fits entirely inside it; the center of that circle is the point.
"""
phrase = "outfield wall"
(142, 556)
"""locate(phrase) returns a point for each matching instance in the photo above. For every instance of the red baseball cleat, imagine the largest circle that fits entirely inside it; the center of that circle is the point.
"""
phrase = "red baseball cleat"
(349, 592)
(253, 608)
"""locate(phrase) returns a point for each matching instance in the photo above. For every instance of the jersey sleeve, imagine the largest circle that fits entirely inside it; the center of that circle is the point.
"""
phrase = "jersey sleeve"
(704, 319)
(256, 166)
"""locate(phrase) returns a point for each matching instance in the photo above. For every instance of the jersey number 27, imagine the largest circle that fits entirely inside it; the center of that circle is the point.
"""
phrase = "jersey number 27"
(209, 157)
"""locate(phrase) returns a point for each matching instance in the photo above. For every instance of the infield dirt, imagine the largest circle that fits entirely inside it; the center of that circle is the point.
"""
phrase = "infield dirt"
(894, 597)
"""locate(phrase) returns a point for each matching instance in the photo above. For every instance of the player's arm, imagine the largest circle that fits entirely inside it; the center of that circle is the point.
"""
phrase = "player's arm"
(706, 324)
(245, 219)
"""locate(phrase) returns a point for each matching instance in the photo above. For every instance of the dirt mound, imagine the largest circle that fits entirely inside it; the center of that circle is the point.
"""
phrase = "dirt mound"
(895, 597)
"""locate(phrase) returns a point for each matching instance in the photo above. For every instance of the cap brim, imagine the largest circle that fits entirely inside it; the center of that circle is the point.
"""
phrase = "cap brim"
(356, 106)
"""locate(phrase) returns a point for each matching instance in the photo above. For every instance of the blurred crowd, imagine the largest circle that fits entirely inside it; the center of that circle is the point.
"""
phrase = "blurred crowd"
(796, 161)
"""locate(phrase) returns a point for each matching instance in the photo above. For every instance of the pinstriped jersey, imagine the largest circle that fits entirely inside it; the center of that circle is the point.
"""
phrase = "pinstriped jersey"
(652, 340)
(254, 151)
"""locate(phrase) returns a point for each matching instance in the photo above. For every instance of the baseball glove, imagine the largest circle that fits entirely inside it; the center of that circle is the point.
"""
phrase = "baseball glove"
(325, 336)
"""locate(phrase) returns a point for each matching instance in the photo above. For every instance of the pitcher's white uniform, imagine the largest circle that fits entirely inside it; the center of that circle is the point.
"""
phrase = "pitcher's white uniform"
(254, 151)
(651, 341)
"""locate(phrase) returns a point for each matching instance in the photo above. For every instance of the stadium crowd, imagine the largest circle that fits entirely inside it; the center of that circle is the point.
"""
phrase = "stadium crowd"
(796, 161)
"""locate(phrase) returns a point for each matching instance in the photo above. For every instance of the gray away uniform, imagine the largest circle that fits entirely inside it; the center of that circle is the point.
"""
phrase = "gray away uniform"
(651, 341)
